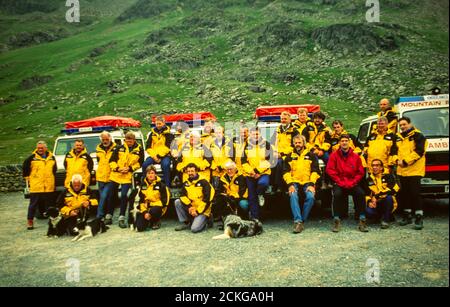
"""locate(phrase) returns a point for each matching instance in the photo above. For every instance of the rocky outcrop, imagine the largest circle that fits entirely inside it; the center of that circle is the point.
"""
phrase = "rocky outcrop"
(11, 179)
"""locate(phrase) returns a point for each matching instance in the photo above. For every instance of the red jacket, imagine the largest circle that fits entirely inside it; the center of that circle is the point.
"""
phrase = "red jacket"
(345, 171)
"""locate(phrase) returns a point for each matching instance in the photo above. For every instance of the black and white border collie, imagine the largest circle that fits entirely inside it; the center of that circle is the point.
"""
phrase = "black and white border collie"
(87, 229)
(57, 226)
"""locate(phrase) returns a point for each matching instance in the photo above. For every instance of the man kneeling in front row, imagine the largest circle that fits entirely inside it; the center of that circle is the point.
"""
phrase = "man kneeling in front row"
(194, 206)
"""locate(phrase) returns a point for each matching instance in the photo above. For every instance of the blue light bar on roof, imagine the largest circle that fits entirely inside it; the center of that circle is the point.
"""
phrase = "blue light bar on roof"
(410, 99)
(190, 123)
(88, 129)
(274, 118)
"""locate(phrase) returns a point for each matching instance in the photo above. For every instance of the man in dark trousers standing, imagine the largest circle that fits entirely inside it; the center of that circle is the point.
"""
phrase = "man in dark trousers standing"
(411, 145)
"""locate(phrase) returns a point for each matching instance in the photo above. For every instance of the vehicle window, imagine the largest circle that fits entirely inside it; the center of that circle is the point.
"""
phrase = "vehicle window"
(63, 146)
(364, 132)
(431, 122)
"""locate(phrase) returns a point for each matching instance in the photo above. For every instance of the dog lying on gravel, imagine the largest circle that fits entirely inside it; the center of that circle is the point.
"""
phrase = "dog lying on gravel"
(87, 229)
(235, 227)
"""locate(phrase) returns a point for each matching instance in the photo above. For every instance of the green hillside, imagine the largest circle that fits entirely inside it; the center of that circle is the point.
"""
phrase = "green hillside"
(137, 58)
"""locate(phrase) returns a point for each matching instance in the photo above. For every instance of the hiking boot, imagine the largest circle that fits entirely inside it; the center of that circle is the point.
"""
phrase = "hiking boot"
(108, 219)
(406, 220)
(122, 222)
(336, 226)
(261, 200)
(418, 223)
(210, 222)
(156, 225)
(362, 226)
(182, 227)
(30, 225)
(384, 225)
(298, 227)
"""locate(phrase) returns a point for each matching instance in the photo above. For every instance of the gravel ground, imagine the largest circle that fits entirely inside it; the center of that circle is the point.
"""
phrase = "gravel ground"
(164, 257)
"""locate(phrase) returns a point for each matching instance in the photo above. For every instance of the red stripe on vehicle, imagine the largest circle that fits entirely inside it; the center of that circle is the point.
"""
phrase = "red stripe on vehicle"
(436, 168)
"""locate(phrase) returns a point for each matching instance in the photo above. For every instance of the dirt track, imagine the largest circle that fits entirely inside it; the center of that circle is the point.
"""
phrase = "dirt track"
(317, 257)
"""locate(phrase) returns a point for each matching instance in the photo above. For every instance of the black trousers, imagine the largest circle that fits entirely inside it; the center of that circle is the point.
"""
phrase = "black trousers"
(40, 201)
(409, 194)
(340, 200)
(225, 205)
(142, 223)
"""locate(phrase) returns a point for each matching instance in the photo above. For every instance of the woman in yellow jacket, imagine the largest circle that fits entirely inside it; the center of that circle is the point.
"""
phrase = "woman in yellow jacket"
(194, 206)
(197, 153)
(158, 145)
(221, 151)
(411, 148)
(239, 145)
(39, 171)
(75, 202)
(381, 190)
(125, 160)
(154, 198)
(78, 161)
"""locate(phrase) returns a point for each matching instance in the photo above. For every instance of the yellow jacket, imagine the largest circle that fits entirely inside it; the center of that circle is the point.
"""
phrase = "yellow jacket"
(199, 194)
(235, 187)
(320, 140)
(154, 194)
(207, 139)
(180, 139)
(220, 155)
(301, 167)
(380, 186)
(380, 146)
(159, 142)
(411, 148)
(199, 155)
(257, 158)
(123, 156)
(70, 200)
(40, 172)
(392, 117)
(78, 164)
(103, 157)
(239, 148)
(332, 138)
(307, 130)
(284, 139)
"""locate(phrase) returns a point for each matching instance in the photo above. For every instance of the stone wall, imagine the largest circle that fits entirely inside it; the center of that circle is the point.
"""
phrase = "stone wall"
(11, 179)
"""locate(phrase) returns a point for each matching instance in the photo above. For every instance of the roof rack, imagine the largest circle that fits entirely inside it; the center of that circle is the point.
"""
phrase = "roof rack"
(82, 130)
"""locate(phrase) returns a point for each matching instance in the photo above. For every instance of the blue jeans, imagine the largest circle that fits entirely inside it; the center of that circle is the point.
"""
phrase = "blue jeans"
(383, 209)
(165, 165)
(243, 203)
(124, 188)
(295, 205)
(198, 223)
(256, 188)
(104, 204)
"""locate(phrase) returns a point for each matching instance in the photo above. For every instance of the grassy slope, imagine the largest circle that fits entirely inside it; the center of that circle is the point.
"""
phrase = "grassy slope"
(152, 87)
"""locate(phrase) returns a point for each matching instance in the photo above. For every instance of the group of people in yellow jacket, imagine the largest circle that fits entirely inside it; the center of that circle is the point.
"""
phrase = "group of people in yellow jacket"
(220, 176)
